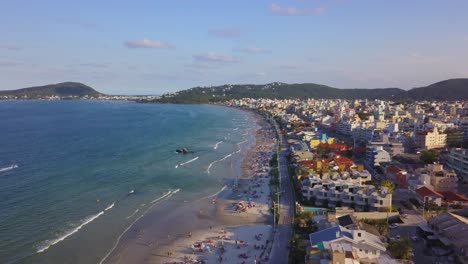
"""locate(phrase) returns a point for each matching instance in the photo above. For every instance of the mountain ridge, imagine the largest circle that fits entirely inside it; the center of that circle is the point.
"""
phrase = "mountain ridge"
(447, 90)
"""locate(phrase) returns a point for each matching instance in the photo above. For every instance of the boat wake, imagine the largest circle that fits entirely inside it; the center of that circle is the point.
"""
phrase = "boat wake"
(217, 144)
(12, 167)
(164, 197)
(87, 220)
(187, 162)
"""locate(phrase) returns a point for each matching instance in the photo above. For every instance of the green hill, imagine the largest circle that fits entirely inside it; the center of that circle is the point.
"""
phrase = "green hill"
(455, 89)
(66, 89)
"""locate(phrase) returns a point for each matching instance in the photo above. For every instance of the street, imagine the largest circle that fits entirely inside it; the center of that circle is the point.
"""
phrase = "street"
(280, 251)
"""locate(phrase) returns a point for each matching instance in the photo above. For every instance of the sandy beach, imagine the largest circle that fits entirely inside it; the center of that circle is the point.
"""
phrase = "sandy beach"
(242, 230)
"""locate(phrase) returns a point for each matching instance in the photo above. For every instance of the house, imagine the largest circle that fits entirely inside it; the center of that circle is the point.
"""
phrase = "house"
(360, 245)
(425, 195)
(449, 233)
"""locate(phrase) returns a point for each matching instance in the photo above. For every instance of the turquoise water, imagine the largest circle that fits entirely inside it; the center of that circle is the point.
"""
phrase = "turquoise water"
(68, 168)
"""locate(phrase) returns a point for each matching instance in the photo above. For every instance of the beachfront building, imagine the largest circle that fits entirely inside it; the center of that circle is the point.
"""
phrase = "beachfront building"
(340, 245)
(332, 194)
(458, 161)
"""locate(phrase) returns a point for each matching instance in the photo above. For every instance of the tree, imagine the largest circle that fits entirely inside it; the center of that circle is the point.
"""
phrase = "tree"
(429, 157)
(401, 249)
(390, 185)
(297, 250)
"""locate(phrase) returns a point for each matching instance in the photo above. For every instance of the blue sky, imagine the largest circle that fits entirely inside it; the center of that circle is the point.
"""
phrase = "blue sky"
(156, 46)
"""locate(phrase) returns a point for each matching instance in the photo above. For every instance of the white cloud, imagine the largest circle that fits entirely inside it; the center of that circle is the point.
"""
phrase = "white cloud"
(252, 50)
(214, 57)
(147, 44)
(293, 11)
(226, 32)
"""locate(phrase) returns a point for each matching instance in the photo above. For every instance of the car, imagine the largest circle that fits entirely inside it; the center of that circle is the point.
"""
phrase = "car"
(398, 237)
(415, 238)
(404, 216)
(393, 226)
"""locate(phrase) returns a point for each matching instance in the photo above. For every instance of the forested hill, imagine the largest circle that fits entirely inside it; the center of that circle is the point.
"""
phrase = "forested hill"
(454, 89)
(63, 90)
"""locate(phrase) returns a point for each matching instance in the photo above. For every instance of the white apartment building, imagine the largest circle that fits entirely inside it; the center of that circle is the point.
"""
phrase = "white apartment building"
(336, 194)
(430, 139)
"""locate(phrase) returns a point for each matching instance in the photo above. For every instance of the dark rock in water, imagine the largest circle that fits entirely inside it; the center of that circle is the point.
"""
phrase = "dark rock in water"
(183, 151)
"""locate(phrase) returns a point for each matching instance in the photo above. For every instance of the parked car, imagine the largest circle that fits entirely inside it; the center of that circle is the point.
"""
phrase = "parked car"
(404, 216)
(393, 226)
(415, 238)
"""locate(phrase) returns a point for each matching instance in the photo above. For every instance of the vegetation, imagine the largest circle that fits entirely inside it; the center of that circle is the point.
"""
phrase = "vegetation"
(401, 248)
(390, 185)
(66, 89)
(303, 223)
(429, 157)
(297, 250)
(446, 90)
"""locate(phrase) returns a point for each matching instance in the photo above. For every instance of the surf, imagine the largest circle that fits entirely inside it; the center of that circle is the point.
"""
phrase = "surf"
(187, 162)
(12, 167)
(217, 144)
(165, 197)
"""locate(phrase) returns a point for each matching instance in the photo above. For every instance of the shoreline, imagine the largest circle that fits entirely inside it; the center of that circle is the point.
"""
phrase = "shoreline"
(247, 234)
(146, 242)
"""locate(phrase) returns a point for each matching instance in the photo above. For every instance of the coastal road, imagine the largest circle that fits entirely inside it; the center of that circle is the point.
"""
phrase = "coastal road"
(280, 250)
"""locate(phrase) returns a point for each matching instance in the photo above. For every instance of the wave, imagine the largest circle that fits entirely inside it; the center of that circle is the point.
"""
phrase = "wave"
(216, 145)
(162, 197)
(87, 220)
(187, 162)
(225, 157)
(235, 129)
(215, 194)
(69, 233)
(136, 211)
(9, 168)
(130, 226)
(110, 206)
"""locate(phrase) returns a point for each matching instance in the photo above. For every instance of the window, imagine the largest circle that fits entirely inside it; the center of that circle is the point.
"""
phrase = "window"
(367, 251)
(359, 234)
(381, 202)
(374, 252)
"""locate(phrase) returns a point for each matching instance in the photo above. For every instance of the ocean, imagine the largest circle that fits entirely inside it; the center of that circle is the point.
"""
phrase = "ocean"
(75, 175)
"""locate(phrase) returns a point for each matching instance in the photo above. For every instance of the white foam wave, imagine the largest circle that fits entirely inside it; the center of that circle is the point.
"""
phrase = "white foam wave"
(110, 206)
(215, 194)
(187, 162)
(235, 129)
(136, 211)
(162, 197)
(12, 167)
(209, 166)
(167, 195)
(217, 144)
(69, 233)
(176, 166)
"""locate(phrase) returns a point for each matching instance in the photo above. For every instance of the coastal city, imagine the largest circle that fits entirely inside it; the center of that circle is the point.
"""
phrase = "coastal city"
(372, 181)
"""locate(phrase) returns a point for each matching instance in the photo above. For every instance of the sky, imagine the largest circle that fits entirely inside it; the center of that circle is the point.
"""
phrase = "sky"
(157, 46)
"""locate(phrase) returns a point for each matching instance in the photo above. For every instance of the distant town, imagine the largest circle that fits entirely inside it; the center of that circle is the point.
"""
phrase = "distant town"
(375, 181)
